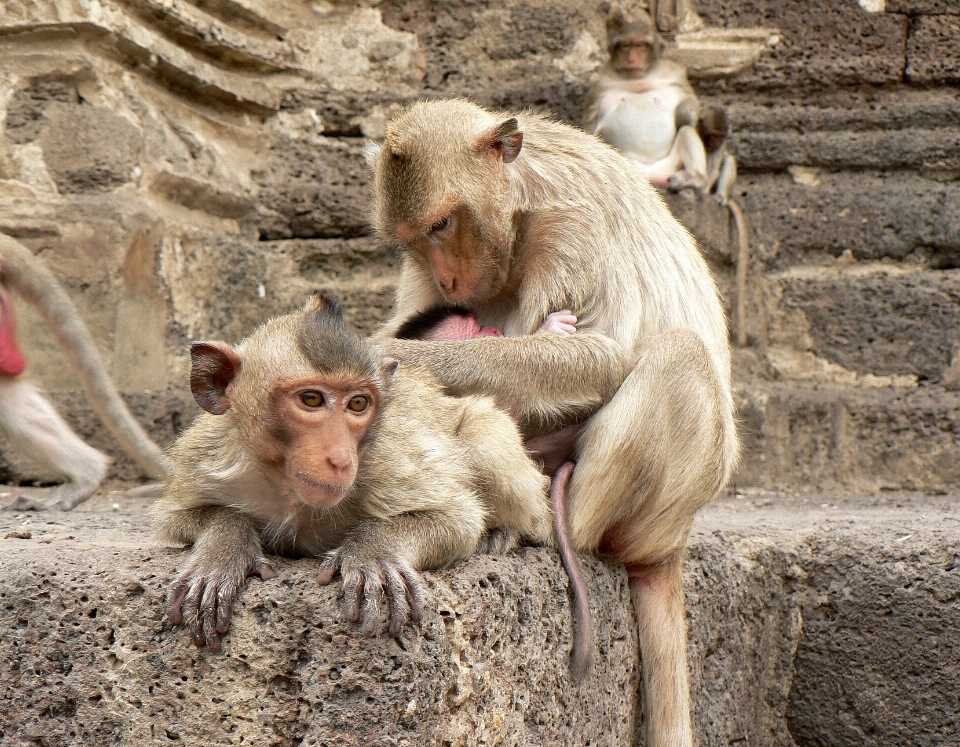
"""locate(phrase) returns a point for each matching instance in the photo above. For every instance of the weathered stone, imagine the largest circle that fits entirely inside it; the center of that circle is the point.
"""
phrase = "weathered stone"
(922, 7)
(933, 51)
(827, 437)
(872, 215)
(823, 44)
(317, 189)
(874, 319)
(781, 594)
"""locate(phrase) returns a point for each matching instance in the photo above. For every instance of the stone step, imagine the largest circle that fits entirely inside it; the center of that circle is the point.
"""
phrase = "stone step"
(807, 437)
(819, 620)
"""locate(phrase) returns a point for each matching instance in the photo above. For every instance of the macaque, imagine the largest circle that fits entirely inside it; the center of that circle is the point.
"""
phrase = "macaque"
(27, 418)
(456, 323)
(313, 444)
(643, 105)
(713, 128)
(511, 216)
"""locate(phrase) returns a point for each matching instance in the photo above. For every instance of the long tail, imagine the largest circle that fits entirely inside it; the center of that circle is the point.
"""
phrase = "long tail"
(743, 260)
(31, 278)
(657, 593)
(581, 657)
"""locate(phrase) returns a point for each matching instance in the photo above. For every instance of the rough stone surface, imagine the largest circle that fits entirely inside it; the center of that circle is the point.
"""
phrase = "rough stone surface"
(934, 50)
(808, 594)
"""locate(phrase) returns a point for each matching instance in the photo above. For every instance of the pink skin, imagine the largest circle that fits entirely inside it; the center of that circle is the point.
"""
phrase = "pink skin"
(550, 449)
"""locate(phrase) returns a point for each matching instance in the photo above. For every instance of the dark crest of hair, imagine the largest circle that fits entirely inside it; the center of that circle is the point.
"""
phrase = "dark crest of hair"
(329, 343)
(420, 324)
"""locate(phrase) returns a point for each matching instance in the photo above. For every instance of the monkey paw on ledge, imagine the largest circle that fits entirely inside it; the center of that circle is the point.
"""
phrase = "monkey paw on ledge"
(810, 623)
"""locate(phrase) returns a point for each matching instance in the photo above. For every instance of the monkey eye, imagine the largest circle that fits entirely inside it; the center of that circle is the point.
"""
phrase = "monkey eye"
(441, 225)
(312, 398)
(358, 403)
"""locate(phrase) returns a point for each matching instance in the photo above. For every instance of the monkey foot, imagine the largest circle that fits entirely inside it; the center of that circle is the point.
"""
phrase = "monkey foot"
(498, 542)
(368, 582)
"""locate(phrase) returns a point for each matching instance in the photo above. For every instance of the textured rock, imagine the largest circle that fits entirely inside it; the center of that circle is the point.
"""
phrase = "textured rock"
(934, 50)
(809, 624)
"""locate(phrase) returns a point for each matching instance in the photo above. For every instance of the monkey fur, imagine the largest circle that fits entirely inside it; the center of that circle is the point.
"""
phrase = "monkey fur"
(513, 215)
(456, 323)
(642, 104)
(282, 462)
(28, 419)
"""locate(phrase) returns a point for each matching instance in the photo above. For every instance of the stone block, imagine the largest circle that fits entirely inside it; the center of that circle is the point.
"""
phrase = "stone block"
(873, 320)
(933, 50)
(922, 7)
(315, 189)
(823, 44)
(873, 215)
(810, 622)
(828, 437)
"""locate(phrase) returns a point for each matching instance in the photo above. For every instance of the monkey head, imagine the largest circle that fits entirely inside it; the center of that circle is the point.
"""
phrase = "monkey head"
(440, 192)
(303, 392)
(634, 46)
(444, 323)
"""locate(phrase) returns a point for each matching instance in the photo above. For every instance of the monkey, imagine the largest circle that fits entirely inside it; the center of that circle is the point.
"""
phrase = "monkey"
(456, 323)
(713, 128)
(511, 215)
(642, 104)
(27, 418)
(313, 444)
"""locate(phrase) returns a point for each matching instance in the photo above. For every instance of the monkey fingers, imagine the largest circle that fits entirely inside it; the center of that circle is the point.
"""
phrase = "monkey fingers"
(364, 582)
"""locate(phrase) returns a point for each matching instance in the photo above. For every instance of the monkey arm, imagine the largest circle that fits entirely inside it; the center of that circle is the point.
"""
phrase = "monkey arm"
(549, 379)
(226, 549)
(383, 557)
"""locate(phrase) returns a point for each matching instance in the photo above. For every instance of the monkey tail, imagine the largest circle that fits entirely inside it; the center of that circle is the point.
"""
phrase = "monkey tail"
(743, 259)
(34, 281)
(581, 658)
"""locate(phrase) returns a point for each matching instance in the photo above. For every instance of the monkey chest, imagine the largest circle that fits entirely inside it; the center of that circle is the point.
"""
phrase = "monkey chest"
(641, 124)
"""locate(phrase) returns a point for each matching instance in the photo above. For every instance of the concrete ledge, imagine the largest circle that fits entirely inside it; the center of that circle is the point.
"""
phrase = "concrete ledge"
(809, 624)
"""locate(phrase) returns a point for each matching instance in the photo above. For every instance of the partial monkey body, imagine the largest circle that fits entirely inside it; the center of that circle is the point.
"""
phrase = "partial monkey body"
(314, 445)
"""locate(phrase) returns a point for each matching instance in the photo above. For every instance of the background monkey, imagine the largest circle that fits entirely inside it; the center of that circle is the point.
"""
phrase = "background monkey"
(643, 105)
(312, 443)
(512, 216)
(27, 418)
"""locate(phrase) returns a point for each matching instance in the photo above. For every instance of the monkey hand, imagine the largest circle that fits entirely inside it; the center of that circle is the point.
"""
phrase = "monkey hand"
(367, 579)
(559, 323)
(203, 594)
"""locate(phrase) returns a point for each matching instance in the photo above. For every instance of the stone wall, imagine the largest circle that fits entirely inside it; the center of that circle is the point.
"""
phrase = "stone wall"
(188, 169)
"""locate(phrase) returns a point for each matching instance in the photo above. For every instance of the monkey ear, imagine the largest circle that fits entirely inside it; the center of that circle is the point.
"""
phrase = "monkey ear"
(215, 365)
(388, 367)
(504, 141)
(371, 153)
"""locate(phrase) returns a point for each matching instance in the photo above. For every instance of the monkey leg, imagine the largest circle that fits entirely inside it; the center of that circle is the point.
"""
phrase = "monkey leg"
(657, 594)
(689, 152)
(226, 550)
(511, 485)
(661, 449)
(38, 432)
(725, 179)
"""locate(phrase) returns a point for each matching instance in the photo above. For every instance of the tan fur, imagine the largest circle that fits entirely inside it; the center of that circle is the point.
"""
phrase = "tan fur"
(434, 473)
(591, 235)
(24, 273)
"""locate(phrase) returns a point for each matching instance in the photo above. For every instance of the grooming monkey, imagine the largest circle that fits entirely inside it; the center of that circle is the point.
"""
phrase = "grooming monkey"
(311, 444)
(27, 418)
(511, 216)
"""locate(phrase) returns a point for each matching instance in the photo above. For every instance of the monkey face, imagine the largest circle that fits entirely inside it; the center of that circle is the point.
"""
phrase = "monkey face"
(632, 56)
(466, 266)
(321, 421)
